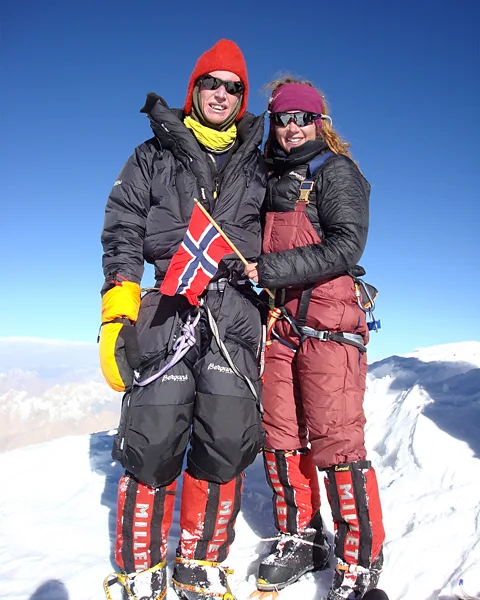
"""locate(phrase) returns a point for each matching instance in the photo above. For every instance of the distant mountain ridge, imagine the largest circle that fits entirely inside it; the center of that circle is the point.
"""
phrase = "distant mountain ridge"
(52, 388)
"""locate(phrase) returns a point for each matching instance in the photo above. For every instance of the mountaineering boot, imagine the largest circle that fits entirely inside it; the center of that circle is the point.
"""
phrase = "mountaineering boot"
(301, 546)
(147, 585)
(200, 580)
(291, 557)
(352, 582)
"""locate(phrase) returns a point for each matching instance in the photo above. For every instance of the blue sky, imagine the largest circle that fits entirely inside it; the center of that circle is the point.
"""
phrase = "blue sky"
(403, 84)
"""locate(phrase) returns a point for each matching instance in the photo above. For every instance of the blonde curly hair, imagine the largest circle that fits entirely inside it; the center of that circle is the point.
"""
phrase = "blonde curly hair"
(323, 130)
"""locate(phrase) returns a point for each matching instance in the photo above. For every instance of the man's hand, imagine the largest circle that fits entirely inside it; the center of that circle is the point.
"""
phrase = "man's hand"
(251, 272)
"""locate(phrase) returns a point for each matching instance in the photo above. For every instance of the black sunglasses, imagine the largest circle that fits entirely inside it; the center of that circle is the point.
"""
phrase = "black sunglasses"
(302, 118)
(210, 82)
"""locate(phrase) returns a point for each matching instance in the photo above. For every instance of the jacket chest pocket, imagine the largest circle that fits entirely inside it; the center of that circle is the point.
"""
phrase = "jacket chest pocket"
(172, 194)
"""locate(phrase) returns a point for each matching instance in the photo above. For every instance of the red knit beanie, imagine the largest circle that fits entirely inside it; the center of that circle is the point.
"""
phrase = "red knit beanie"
(224, 56)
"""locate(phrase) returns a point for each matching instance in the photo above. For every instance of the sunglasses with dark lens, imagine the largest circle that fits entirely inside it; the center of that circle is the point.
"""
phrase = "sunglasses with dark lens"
(210, 82)
(302, 118)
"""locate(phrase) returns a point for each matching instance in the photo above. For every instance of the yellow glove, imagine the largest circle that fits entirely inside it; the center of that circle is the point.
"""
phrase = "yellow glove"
(119, 352)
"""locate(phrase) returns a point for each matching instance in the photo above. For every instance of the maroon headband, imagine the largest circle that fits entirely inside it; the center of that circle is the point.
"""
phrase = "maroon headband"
(296, 96)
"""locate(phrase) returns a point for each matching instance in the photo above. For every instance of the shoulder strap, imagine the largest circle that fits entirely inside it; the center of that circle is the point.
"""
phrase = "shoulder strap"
(305, 188)
(303, 304)
(316, 163)
(308, 183)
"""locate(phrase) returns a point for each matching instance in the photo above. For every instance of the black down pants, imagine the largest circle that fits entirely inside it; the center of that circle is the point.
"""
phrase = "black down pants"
(199, 400)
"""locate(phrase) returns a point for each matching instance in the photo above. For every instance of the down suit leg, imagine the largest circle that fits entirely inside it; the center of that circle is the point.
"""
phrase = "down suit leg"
(314, 396)
(199, 404)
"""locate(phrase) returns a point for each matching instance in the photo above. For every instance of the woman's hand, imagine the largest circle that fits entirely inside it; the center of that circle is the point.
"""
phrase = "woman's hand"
(251, 272)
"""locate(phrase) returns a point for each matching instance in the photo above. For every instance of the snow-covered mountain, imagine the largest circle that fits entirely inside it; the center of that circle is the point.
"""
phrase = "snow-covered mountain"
(51, 388)
(57, 499)
(423, 433)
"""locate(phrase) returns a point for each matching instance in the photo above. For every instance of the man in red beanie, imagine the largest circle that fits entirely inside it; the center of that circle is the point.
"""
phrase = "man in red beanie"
(190, 374)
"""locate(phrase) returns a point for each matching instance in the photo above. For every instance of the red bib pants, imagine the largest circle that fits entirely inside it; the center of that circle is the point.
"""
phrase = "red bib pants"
(313, 401)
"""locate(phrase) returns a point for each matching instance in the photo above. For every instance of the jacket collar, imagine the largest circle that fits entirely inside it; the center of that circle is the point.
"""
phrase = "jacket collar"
(167, 125)
(281, 161)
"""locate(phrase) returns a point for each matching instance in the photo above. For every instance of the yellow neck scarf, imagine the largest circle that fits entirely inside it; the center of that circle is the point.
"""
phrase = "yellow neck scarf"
(211, 138)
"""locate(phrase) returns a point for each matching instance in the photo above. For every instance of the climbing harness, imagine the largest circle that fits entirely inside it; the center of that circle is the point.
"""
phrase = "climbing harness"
(181, 346)
(125, 580)
(303, 332)
(187, 340)
(228, 595)
(226, 354)
(273, 316)
(261, 352)
(366, 294)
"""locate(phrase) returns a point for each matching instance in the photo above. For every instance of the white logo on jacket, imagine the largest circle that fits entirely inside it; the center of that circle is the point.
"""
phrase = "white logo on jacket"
(118, 182)
(297, 176)
(174, 378)
(212, 367)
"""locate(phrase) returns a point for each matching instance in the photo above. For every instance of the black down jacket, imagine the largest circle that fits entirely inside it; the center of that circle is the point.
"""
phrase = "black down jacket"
(146, 218)
(338, 211)
(151, 202)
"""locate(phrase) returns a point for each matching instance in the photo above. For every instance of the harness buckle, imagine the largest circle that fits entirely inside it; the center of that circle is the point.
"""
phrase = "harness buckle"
(218, 286)
(322, 335)
(305, 188)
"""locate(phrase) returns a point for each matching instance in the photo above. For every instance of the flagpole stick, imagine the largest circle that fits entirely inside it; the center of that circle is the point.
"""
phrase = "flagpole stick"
(228, 240)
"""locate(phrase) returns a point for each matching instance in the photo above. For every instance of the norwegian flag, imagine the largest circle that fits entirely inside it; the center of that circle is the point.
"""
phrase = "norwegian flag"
(196, 261)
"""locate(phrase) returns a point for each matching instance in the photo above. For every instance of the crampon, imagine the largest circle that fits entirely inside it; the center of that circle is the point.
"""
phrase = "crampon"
(192, 580)
(128, 582)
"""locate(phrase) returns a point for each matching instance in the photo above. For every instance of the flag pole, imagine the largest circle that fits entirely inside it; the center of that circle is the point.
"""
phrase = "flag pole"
(228, 240)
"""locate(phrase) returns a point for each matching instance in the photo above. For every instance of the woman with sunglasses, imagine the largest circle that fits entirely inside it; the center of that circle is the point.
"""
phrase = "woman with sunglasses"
(314, 381)
(210, 151)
